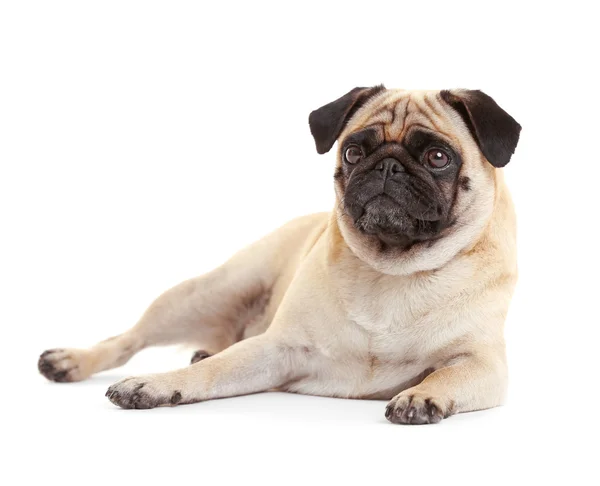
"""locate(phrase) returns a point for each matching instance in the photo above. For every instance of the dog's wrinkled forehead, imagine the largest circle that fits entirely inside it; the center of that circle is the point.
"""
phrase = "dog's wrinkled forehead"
(459, 115)
(393, 113)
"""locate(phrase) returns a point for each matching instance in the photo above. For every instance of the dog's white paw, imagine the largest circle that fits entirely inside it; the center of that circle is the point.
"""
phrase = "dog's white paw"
(415, 407)
(64, 365)
(142, 392)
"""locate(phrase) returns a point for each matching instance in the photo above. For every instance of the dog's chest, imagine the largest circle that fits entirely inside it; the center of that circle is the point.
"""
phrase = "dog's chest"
(401, 317)
(392, 332)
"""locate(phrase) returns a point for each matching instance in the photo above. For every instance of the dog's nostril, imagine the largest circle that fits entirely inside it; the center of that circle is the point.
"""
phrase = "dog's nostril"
(389, 166)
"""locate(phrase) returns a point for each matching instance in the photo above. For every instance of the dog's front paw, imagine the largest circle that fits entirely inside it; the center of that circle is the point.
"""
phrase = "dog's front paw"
(64, 365)
(415, 407)
(144, 392)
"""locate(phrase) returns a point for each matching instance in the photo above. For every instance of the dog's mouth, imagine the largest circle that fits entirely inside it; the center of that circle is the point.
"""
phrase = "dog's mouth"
(393, 223)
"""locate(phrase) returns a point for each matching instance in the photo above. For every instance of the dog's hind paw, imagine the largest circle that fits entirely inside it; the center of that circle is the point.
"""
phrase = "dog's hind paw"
(199, 356)
(64, 365)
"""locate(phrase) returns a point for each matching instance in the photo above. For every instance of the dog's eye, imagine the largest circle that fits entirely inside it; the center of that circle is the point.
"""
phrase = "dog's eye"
(353, 154)
(437, 158)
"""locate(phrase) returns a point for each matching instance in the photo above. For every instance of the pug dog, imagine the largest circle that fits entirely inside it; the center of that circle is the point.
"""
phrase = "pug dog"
(400, 293)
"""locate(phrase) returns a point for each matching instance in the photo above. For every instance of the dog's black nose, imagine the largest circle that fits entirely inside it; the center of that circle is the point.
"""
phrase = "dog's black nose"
(389, 166)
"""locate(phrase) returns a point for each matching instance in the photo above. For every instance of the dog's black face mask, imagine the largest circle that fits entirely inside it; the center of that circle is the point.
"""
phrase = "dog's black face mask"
(401, 189)
(400, 192)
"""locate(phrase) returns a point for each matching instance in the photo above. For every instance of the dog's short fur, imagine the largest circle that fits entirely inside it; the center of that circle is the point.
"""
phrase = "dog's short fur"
(400, 293)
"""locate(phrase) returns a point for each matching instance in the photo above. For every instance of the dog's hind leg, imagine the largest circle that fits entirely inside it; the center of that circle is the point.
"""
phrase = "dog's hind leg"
(213, 311)
(210, 311)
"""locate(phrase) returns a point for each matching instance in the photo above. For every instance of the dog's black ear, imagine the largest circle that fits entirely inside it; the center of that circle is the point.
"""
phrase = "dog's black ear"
(494, 130)
(327, 122)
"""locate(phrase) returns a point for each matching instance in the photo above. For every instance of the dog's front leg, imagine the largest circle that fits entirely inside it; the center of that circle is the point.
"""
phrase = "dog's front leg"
(470, 381)
(256, 364)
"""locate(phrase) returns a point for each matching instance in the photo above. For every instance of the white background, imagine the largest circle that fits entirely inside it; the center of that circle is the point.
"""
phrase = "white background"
(142, 143)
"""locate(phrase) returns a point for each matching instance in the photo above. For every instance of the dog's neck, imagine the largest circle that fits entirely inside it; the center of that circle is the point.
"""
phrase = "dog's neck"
(425, 256)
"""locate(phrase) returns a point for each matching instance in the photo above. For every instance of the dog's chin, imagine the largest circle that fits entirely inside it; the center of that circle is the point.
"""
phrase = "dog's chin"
(392, 225)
